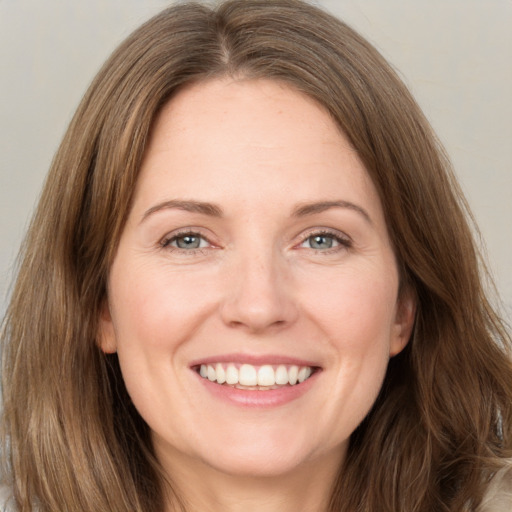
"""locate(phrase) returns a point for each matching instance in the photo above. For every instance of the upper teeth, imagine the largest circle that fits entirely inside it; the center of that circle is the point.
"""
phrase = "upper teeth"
(249, 375)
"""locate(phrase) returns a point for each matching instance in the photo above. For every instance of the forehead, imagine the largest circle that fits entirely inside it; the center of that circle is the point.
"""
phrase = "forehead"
(251, 138)
(268, 115)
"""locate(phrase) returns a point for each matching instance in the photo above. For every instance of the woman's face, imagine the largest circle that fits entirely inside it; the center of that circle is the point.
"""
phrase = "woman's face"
(253, 297)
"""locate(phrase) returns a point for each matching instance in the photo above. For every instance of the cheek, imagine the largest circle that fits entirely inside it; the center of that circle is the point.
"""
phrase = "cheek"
(155, 312)
(357, 312)
(356, 307)
(156, 308)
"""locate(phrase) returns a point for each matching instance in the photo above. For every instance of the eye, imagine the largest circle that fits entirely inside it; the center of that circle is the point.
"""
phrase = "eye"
(185, 241)
(325, 241)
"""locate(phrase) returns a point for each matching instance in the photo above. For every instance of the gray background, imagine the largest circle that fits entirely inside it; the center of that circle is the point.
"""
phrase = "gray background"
(455, 55)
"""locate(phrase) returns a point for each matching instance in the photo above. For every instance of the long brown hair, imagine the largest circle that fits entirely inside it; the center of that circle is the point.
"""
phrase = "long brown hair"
(442, 424)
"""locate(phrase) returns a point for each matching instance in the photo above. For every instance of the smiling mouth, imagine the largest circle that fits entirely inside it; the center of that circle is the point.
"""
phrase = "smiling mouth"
(255, 378)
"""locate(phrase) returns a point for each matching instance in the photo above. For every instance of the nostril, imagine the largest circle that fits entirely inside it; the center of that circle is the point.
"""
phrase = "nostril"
(259, 297)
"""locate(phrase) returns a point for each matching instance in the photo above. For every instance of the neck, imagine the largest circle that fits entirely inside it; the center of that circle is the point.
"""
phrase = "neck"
(306, 488)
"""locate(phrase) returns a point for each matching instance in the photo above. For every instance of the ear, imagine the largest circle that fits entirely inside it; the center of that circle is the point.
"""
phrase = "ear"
(404, 322)
(106, 338)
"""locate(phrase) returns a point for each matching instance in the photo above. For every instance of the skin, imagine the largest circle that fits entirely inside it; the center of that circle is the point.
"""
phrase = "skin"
(258, 285)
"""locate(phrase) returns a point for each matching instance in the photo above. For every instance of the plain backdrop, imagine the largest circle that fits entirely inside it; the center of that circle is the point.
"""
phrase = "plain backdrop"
(455, 55)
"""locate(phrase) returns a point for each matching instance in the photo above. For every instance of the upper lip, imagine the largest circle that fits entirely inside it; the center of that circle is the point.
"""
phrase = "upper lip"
(255, 360)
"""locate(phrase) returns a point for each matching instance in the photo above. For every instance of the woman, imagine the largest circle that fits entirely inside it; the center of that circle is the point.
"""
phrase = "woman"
(250, 284)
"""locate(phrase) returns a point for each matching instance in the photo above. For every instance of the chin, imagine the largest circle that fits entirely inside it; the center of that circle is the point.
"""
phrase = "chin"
(249, 454)
(249, 463)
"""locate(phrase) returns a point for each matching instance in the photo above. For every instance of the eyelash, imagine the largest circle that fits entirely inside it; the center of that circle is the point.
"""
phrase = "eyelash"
(343, 242)
(168, 240)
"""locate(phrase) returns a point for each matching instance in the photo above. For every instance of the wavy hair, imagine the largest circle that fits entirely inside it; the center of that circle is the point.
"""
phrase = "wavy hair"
(442, 424)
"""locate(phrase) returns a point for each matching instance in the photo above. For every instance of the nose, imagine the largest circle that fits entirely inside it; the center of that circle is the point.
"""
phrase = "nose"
(258, 294)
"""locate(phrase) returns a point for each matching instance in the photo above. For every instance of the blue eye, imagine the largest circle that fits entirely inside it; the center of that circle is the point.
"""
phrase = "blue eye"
(321, 242)
(186, 241)
(324, 241)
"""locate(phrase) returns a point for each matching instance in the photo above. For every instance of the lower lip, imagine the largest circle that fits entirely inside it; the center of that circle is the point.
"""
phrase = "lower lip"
(257, 398)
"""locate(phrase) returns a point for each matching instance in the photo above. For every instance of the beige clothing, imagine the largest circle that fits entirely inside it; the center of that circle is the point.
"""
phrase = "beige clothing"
(5, 499)
(499, 494)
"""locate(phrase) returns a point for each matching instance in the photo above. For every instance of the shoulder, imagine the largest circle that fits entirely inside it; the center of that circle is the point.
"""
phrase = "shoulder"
(498, 497)
(6, 499)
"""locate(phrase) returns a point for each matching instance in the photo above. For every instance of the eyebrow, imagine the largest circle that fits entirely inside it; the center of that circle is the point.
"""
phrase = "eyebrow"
(209, 209)
(212, 210)
(306, 209)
